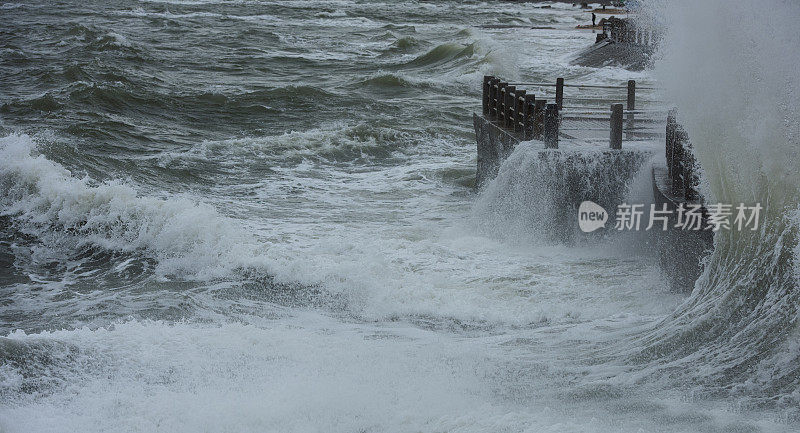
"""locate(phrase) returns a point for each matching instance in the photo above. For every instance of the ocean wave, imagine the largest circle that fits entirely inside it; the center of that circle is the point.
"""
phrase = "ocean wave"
(460, 64)
(736, 335)
(115, 96)
(139, 12)
(388, 80)
(75, 73)
(235, 96)
(323, 19)
(536, 192)
(111, 41)
(36, 366)
(406, 43)
(237, 377)
(118, 91)
(46, 103)
(256, 102)
(98, 39)
(443, 53)
(400, 28)
(334, 14)
(188, 239)
(334, 143)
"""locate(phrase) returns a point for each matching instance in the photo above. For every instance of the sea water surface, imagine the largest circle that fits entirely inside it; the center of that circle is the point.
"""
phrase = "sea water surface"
(251, 216)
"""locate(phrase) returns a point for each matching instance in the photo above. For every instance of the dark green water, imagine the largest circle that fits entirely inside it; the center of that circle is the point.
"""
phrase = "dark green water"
(260, 216)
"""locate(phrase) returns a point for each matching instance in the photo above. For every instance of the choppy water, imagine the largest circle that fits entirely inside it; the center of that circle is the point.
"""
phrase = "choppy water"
(259, 216)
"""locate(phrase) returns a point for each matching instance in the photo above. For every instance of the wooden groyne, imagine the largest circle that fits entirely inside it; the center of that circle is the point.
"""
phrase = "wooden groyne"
(622, 43)
(675, 184)
(512, 115)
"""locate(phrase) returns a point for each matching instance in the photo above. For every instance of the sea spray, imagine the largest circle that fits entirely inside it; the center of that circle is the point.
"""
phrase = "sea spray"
(730, 67)
(535, 196)
(45, 200)
(455, 331)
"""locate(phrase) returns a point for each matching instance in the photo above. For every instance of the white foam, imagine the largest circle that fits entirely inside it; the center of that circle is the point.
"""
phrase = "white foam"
(186, 237)
(299, 376)
(392, 240)
(730, 67)
(734, 79)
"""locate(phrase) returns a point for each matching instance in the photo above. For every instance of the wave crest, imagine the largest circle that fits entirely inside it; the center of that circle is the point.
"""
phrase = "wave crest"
(43, 198)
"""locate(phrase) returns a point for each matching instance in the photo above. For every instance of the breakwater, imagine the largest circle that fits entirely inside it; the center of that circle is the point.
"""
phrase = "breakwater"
(584, 152)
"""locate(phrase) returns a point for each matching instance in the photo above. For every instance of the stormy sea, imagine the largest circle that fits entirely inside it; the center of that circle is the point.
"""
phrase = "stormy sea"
(261, 216)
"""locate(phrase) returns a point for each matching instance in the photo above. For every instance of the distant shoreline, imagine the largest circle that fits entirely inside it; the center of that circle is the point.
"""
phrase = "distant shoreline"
(558, 1)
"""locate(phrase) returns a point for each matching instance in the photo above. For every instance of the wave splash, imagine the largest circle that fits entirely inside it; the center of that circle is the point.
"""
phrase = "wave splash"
(44, 199)
(536, 193)
(736, 87)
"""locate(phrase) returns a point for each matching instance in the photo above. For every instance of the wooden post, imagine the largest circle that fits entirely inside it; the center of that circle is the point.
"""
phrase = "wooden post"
(509, 105)
(527, 119)
(560, 93)
(501, 101)
(615, 140)
(689, 192)
(493, 98)
(519, 105)
(538, 118)
(631, 102)
(676, 168)
(551, 126)
(490, 102)
(670, 140)
(501, 94)
(679, 181)
(487, 81)
(496, 102)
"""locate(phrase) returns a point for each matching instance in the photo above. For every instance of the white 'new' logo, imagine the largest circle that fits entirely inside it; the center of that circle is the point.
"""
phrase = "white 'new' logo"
(591, 216)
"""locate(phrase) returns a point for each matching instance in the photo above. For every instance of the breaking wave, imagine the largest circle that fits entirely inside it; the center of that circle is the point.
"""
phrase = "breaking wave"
(442, 54)
(736, 87)
(536, 193)
(333, 143)
(44, 199)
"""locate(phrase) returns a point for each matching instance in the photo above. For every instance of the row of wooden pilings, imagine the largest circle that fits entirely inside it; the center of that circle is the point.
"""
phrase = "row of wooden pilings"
(522, 114)
(528, 118)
